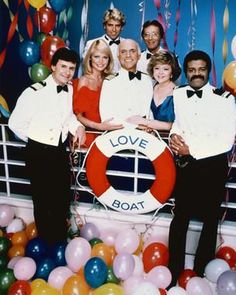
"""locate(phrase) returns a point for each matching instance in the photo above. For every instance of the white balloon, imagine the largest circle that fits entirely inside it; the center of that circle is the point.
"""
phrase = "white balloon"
(146, 288)
(138, 266)
(177, 291)
(15, 225)
(215, 268)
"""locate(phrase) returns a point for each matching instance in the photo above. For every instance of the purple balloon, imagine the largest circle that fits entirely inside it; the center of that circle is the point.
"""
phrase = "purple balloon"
(198, 286)
(89, 231)
(123, 266)
(160, 276)
(226, 283)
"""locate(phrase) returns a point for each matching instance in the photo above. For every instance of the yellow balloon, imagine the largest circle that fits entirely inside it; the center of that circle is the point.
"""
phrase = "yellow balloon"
(37, 284)
(109, 289)
(229, 75)
(37, 3)
(45, 290)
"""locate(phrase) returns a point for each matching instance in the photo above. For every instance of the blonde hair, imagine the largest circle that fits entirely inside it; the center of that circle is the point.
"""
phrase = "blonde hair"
(98, 45)
(114, 14)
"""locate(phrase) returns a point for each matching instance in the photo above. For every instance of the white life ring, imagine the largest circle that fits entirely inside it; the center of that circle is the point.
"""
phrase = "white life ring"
(158, 153)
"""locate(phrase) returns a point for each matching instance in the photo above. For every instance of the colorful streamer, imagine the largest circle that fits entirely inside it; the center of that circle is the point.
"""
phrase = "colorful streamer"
(213, 33)
(29, 23)
(177, 20)
(192, 28)
(161, 20)
(225, 26)
(142, 6)
(167, 13)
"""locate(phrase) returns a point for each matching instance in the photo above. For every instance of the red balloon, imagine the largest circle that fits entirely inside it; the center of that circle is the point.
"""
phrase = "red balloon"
(20, 288)
(155, 254)
(49, 47)
(45, 19)
(162, 291)
(185, 276)
(228, 254)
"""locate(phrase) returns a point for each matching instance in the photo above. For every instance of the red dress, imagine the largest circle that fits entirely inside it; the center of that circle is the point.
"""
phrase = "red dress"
(86, 102)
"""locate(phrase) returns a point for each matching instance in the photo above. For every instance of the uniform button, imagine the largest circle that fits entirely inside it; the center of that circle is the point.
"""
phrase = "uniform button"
(51, 129)
(51, 138)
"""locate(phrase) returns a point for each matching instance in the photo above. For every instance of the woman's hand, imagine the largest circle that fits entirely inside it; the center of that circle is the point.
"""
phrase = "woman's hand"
(137, 120)
(107, 125)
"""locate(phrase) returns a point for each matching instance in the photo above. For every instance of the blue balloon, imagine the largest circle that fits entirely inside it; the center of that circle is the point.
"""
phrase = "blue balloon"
(29, 52)
(95, 272)
(58, 5)
(57, 253)
(44, 267)
(36, 248)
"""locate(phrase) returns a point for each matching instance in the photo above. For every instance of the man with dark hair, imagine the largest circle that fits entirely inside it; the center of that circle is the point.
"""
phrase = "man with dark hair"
(113, 23)
(43, 117)
(152, 34)
(201, 136)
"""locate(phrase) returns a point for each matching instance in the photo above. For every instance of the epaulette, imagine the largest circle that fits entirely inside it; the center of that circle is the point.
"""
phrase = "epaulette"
(38, 85)
(221, 92)
(112, 76)
(180, 86)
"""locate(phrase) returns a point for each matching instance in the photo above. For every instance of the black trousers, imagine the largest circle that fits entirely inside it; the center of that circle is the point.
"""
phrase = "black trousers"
(49, 174)
(199, 192)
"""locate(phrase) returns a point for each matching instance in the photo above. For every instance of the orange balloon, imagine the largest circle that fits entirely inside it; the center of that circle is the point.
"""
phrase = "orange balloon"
(103, 251)
(1, 233)
(75, 285)
(229, 75)
(19, 237)
(31, 231)
(49, 47)
(113, 253)
(16, 250)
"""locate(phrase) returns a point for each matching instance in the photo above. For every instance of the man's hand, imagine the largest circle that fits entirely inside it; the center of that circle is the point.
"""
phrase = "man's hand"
(178, 146)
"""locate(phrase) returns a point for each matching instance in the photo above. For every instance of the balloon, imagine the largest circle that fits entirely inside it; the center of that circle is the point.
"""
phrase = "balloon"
(198, 286)
(45, 19)
(95, 272)
(177, 291)
(138, 266)
(58, 276)
(185, 276)
(77, 252)
(17, 224)
(20, 288)
(5, 244)
(37, 284)
(111, 278)
(162, 291)
(228, 254)
(45, 290)
(13, 261)
(6, 279)
(215, 268)
(41, 37)
(108, 289)
(147, 288)
(103, 251)
(226, 283)
(160, 276)
(131, 284)
(6, 215)
(37, 3)
(75, 285)
(233, 47)
(89, 231)
(39, 72)
(19, 238)
(36, 248)
(229, 75)
(3, 260)
(58, 5)
(155, 254)
(108, 237)
(25, 268)
(123, 266)
(127, 241)
(31, 230)
(29, 52)
(57, 253)
(16, 250)
(49, 47)
(95, 241)
(44, 266)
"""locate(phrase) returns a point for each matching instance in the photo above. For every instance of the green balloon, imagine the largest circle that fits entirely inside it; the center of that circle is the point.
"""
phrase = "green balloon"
(3, 260)
(7, 278)
(5, 244)
(111, 278)
(41, 37)
(95, 241)
(39, 72)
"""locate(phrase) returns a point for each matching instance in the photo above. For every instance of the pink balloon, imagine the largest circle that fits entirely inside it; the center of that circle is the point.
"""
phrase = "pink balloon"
(127, 241)
(160, 276)
(177, 291)
(77, 252)
(24, 268)
(108, 237)
(131, 284)
(11, 264)
(198, 286)
(15, 225)
(146, 288)
(6, 215)
(138, 266)
(89, 231)
(58, 276)
(123, 266)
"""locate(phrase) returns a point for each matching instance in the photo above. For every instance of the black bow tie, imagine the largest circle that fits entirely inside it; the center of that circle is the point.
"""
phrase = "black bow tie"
(149, 55)
(60, 88)
(133, 75)
(197, 92)
(117, 42)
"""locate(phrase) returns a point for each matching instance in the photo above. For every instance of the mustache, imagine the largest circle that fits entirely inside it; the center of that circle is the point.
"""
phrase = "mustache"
(197, 77)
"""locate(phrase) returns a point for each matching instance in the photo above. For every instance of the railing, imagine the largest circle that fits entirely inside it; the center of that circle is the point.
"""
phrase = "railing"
(14, 183)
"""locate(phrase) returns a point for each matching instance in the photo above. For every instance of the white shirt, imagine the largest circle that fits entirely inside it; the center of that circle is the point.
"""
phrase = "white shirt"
(43, 115)
(121, 98)
(143, 61)
(207, 124)
(113, 47)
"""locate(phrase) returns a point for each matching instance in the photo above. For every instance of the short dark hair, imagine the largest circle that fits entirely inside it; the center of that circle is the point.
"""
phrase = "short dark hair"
(66, 54)
(196, 55)
(153, 23)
